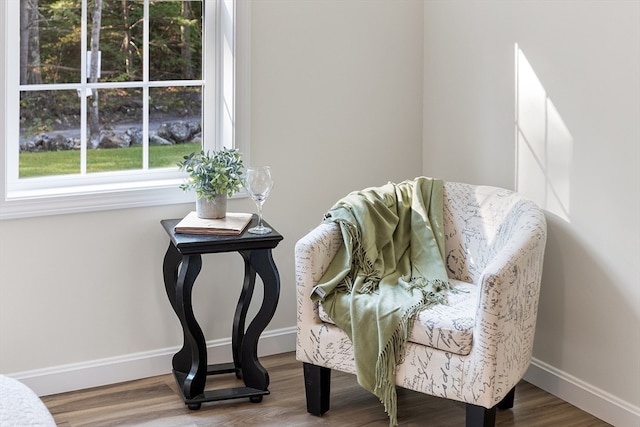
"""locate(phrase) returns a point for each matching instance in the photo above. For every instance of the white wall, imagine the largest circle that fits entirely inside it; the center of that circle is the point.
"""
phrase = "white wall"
(336, 105)
(586, 55)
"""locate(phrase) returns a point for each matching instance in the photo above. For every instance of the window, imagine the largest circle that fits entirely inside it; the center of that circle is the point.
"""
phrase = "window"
(103, 97)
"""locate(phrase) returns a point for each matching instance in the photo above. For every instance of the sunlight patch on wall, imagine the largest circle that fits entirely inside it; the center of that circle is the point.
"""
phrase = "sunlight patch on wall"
(544, 145)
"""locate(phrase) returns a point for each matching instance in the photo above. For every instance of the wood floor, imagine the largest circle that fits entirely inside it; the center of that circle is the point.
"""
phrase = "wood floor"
(155, 402)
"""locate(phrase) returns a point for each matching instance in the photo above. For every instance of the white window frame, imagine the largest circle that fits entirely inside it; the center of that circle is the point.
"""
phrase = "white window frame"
(128, 189)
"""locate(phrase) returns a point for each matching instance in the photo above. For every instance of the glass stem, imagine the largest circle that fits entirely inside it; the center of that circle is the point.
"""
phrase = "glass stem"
(260, 213)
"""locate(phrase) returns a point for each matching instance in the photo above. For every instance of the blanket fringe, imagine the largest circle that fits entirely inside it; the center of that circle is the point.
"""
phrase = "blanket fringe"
(393, 353)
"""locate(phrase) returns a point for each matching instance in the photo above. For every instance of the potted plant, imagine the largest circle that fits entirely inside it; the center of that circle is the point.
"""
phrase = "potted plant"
(214, 176)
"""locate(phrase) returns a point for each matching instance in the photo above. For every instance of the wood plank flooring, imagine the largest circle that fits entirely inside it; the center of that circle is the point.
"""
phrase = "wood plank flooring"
(155, 402)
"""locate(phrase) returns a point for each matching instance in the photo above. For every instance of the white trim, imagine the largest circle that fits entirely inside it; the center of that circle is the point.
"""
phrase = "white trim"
(583, 395)
(91, 201)
(95, 373)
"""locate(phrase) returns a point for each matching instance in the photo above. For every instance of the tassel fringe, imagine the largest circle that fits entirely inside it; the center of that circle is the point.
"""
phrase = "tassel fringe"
(394, 352)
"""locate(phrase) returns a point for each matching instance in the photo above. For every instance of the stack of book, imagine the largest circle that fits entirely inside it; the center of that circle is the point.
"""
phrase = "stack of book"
(232, 224)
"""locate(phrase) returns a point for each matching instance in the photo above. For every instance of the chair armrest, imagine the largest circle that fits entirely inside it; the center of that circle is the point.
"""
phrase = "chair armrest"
(313, 254)
(508, 305)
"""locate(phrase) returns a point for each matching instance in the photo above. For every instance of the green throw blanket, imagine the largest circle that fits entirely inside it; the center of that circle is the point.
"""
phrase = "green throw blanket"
(389, 268)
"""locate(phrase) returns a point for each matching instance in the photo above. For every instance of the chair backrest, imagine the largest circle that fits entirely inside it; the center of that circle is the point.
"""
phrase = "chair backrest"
(478, 221)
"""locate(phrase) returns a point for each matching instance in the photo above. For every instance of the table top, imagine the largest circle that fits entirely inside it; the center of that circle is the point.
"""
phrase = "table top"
(206, 244)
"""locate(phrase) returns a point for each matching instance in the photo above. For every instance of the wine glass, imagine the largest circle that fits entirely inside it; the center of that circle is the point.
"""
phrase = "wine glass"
(259, 183)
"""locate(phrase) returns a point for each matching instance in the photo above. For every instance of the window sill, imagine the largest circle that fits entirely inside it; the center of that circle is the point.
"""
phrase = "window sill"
(27, 204)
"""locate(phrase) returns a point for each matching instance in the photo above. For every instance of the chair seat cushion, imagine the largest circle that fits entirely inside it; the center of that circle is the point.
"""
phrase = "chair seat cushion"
(447, 327)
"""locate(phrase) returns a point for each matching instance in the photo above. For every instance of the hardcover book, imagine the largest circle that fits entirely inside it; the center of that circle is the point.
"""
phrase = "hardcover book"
(232, 224)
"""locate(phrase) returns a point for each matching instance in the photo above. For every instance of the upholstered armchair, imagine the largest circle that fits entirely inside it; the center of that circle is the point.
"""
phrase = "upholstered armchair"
(476, 348)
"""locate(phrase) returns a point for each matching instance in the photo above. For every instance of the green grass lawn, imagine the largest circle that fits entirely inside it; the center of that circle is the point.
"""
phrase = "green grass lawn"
(49, 163)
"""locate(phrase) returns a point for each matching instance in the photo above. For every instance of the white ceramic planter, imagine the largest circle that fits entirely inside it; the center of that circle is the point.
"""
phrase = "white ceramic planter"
(216, 208)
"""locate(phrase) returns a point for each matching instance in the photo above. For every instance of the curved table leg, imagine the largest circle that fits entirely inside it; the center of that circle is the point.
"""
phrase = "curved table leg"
(190, 363)
(172, 260)
(261, 261)
(241, 312)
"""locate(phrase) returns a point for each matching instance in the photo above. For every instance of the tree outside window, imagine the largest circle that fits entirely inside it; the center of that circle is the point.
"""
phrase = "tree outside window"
(122, 92)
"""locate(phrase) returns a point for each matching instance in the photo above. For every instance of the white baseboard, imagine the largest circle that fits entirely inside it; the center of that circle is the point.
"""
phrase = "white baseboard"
(575, 391)
(78, 376)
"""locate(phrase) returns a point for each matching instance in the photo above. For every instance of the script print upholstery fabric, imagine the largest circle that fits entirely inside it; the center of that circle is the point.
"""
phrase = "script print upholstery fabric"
(495, 241)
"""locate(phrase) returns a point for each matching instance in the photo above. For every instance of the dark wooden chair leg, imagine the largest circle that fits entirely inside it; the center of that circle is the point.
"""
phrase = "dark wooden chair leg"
(478, 416)
(317, 385)
(507, 402)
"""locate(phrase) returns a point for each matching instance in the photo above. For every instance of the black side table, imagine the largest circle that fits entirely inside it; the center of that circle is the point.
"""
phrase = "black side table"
(182, 263)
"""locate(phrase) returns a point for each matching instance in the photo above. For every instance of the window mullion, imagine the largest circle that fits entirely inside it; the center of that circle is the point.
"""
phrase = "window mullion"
(145, 87)
(84, 91)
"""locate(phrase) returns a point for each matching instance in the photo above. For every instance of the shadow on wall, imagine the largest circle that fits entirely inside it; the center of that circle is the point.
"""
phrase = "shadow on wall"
(544, 145)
